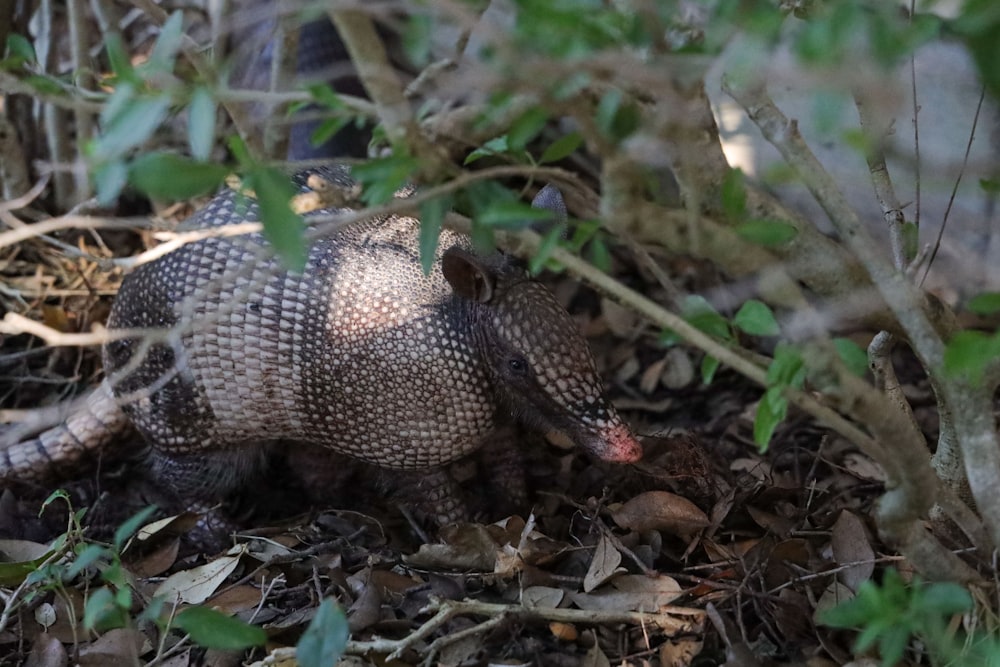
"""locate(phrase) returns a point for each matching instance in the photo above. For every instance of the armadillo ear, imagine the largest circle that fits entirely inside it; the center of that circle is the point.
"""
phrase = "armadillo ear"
(550, 198)
(468, 275)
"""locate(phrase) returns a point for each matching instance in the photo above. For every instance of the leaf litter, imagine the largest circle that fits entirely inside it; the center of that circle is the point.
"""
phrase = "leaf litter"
(609, 565)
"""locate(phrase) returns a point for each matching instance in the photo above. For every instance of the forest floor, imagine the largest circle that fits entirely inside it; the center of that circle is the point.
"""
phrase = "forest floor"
(705, 552)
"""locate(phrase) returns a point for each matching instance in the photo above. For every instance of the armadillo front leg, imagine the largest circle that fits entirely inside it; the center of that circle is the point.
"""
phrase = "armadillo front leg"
(432, 493)
(200, 480)
(502, 465)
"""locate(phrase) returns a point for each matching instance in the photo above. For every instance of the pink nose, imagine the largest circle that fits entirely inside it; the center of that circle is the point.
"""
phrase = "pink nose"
(618, 445)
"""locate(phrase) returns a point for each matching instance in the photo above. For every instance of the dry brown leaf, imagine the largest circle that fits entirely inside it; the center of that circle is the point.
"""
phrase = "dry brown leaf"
(850, 544)
(47, 651)
(863, 467)
(622, 321)
(603, 565)
(836, 593)
(650, 378)
(563, 631)
(236, 599)
(632, 592)
(196, 585)
(542, 597)
(661, 510)
(595, 657)
(679, 371)
(115, 648)
(467, 547)
(679, 652)
(772, 523)
(158, 560)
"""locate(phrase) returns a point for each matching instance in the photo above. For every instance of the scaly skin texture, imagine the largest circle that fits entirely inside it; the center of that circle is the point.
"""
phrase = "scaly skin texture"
(361, 353)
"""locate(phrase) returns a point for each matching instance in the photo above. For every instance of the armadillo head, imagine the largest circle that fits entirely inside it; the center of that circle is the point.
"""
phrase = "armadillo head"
(540, 365)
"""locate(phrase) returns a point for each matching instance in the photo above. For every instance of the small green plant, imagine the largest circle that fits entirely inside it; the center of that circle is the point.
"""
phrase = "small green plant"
(893, 613)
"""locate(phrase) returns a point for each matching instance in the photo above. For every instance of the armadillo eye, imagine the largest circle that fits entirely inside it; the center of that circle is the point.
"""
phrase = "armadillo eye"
(518, 364)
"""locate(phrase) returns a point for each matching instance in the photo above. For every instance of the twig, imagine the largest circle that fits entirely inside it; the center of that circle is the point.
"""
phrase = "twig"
(671, 620)
(958, 180)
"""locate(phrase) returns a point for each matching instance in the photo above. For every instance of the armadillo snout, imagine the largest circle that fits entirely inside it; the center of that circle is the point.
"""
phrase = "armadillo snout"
(615, 444)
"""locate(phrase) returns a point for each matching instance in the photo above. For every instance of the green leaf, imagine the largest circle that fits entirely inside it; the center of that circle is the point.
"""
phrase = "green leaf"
(171, 177)
(101, 612)
(616, 117)
(986, 303)
(132, 124)
(700, 314)
(561, 148)
(945, 599)
(512, 215)
(788, 368)
(526, 128)
(771, 411)
(417, 41)
(119, 59)
(709, 366)
(21, 559)
(496, 146)
(549, 243)
(383, 177)
(968, 353)
(327, 129)
(240, 151)
(45, 85)
(734, 195)
(109, 179)
(853, 356)
(432, 212)
(134, 523)
(324, 641)
(282, 227)
(201, 123)
(756, 319)
(892, 644)
(599, 255)
(88, 555)
(19, 46)
(167, 44)
(990, 185)
(768, 233)
(213, 629)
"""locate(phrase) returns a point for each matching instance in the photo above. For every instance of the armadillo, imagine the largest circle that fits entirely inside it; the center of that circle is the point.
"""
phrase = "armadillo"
(362, 353)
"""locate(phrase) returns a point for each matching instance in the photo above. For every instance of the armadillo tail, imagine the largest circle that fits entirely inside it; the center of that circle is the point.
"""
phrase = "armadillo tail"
(87, 431)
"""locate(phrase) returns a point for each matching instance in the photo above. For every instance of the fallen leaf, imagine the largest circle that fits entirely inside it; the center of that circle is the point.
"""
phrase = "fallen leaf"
(634, 592)
(661, 510)
(120, 647)
(47, 651)
(196, 585)
(542, 597)
(850, 544)
(603, 565)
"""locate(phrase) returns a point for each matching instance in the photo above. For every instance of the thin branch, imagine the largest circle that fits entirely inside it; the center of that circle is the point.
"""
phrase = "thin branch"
(958, 180)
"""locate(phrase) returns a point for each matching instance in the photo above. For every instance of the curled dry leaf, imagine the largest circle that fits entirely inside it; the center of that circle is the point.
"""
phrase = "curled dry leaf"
(603, 565)
(850, 544)
(679, 370)
(661, 510)
(563, 631)
(620, 320)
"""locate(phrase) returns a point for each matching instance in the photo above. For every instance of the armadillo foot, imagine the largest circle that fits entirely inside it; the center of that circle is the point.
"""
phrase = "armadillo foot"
(432, 493)
(503, 467)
